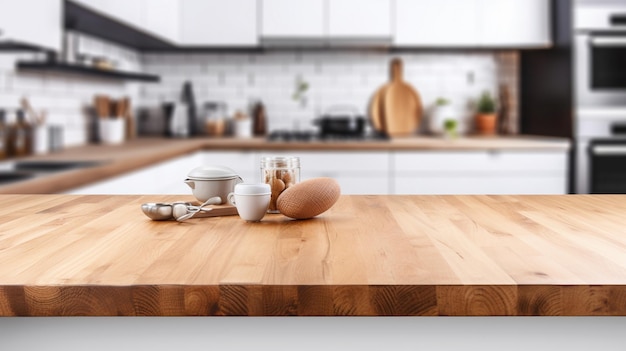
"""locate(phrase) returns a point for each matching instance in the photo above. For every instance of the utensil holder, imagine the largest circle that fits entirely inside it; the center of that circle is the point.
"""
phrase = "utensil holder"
(112, 130)
(41, 136)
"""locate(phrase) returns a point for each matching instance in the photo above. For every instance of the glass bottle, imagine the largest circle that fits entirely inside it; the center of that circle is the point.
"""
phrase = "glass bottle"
(4, 136)
(22, 136)
(280, 173)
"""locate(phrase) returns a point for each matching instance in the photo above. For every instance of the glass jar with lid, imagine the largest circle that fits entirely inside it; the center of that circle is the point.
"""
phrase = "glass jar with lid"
(280, 172)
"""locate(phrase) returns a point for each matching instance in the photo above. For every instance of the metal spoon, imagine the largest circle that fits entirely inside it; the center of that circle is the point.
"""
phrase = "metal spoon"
(192, 210)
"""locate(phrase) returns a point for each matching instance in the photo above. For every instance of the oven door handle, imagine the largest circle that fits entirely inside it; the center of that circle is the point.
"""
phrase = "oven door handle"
(608, 150)
(608, 41)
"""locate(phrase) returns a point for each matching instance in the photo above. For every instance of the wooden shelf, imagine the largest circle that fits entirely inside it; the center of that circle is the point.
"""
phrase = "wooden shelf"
(65, 68)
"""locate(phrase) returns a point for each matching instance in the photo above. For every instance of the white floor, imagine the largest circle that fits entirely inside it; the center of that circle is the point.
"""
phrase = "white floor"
(316, 333)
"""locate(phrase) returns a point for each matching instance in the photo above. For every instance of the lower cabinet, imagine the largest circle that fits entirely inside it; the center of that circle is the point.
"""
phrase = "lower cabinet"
(369, 172)
(480, 172)
(163, 178)
(358, 173)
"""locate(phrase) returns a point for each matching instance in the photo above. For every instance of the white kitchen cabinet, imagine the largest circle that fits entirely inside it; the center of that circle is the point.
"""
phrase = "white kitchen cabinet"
(293, 19)
(321, 22)
(168, 177)
(33, 22)
(480, 172)
(472, 23)
(517, 23)
(219, 23)
(369, 172)
(374, 18)
(163, 18)
(358, 173)
(164, 178)
(436, 23)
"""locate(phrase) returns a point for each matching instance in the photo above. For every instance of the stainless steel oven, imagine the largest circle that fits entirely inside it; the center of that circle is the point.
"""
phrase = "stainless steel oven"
(600, 94)
(608, 166)
(600, 59)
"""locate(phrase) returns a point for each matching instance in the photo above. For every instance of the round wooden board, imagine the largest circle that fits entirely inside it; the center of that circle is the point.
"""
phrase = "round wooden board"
(396, 108)
(376, 111)
(402, 109)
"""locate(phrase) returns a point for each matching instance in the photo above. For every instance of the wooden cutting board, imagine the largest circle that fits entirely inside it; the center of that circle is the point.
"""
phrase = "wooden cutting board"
(396, 108)
(217, 211)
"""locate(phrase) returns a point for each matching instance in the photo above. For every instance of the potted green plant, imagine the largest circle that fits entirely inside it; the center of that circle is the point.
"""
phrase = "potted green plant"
(486, 118)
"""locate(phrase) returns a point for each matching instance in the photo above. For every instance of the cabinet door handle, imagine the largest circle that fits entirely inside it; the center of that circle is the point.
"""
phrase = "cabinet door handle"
(608, 150)
(608, 41)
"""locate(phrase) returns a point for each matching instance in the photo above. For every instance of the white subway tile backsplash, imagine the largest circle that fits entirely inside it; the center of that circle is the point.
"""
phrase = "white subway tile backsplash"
(335, 78)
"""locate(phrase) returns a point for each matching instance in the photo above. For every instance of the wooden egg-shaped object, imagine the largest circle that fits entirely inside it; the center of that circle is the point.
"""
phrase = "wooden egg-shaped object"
(308, 198)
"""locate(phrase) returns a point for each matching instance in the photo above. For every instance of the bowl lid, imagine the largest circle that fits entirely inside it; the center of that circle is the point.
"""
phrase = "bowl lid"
(212, 172)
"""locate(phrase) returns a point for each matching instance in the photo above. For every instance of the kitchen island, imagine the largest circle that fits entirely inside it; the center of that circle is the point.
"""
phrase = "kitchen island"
(65, 255)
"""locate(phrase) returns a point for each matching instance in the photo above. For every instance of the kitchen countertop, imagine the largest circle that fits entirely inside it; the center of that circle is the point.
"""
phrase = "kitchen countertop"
(367, 255)
(138, 153)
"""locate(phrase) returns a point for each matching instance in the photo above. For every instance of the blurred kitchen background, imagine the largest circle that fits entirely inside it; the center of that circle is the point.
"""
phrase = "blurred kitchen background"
(555, 68)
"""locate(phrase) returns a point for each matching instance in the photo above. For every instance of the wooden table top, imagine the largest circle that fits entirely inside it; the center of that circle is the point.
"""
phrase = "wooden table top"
(367, 255)
(143, 152)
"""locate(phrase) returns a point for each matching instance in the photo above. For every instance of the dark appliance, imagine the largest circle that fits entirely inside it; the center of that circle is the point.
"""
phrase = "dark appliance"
(334, 126)
(600, 42)
(599, 93)
(607, 159)
(341, 121)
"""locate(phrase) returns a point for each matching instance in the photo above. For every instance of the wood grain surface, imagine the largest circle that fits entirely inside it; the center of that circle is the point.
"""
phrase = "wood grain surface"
(396, 108)
(368, 255)
(401, 105)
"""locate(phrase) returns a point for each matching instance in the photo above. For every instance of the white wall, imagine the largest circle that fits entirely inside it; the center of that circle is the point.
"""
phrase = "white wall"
(335, 78)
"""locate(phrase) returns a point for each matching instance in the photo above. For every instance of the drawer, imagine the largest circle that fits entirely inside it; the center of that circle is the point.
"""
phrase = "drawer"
(473, 185)
(338, 162)
(479, 161)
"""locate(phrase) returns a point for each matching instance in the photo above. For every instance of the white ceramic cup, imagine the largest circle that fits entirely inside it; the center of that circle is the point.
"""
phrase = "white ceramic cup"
(251, 200)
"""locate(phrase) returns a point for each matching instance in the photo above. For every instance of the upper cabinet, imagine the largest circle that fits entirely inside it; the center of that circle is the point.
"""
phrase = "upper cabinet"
(439, 23)
(293, 23)
(219, 23)
(293, 19)
(374, 19)
(32, 22)
(517, 23)
(472, 23)
(306, 22)
(163, 18)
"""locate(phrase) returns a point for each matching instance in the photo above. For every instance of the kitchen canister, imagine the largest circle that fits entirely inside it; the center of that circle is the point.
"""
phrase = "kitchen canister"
(280, 172)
